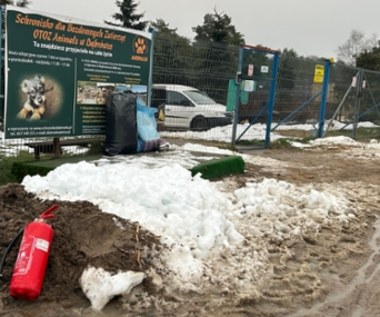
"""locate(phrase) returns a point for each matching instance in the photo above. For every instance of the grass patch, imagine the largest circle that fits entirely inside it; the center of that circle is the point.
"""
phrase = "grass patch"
(257, 144)
(6, 171)
(6, 165)
(363, 134)
(297, 134)
(281, 144)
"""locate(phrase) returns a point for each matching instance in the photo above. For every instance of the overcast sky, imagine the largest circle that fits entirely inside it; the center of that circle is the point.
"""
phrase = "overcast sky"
(309, 27)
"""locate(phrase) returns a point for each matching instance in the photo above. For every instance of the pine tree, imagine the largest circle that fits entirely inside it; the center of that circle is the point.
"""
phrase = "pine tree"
(217, 28)
(216, 47)
(19, 3)
(127, 16)
(173, 51)
(369, 59)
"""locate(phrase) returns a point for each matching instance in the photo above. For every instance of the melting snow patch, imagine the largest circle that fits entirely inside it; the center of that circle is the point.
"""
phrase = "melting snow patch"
(337, 140)
(100, 286)
(281, 208)
(207, 149)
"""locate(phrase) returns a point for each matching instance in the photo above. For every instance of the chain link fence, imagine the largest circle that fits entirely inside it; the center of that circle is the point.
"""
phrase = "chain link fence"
(47, 148)
(354, 103)
(298, 97)
(194, 91)
(191, 89)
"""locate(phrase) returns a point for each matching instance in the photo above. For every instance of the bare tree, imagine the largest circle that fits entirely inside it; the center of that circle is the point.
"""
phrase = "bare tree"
(356, 44)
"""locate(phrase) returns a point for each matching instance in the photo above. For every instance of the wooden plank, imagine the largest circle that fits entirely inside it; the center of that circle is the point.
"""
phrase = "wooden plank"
(55, 145)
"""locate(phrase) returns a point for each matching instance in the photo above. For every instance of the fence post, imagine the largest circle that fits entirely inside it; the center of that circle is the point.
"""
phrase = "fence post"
(272, 96)
(150, 79)
(237, 99)
(325, 90)
(359, 85)
(2, 66)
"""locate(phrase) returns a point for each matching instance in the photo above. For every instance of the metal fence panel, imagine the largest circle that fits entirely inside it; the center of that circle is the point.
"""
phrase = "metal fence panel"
(182, 73)
(210, 68)
(354, 101)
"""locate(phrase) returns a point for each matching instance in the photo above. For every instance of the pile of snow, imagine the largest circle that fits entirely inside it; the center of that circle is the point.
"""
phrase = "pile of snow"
(329, 141)
(257, 131)
(224, 134)
(200, 222)
(346, 141)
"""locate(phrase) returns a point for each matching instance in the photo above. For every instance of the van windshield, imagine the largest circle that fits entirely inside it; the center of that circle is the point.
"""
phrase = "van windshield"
(199, 97)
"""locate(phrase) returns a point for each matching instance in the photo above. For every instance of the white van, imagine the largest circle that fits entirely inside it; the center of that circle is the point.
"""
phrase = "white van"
(186, 107)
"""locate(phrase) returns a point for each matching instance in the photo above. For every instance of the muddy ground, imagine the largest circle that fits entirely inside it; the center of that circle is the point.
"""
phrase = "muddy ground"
(334, 274)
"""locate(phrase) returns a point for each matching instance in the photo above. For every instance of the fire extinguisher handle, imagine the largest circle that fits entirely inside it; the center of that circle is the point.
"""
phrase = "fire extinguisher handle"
(48, 213)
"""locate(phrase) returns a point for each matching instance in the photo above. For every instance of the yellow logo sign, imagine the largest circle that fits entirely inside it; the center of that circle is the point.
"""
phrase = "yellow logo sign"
(319, 73)
(140, 46)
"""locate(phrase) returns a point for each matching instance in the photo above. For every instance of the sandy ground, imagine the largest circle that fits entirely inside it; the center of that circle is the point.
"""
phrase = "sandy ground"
(334, 272)
(337, 273)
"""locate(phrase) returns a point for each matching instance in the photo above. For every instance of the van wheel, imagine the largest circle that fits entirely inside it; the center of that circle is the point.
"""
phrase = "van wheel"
(199, 123)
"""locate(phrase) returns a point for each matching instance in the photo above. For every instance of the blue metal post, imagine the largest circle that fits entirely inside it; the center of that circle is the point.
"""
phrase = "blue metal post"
(150, 79)
(272, 96)
(325, 90)
(237, 99)
(2, 61)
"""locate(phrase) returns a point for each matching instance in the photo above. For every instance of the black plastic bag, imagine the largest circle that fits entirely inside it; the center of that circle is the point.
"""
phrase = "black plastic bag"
(121, 124)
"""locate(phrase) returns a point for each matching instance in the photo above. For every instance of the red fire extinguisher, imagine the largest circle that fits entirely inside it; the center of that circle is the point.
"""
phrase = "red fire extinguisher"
(29, 269)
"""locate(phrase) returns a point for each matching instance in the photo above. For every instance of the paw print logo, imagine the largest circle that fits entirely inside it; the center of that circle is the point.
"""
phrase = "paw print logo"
(140, 46)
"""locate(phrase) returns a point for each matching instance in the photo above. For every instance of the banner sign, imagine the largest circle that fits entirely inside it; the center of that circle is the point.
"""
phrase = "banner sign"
(61, 72)
(319, 73)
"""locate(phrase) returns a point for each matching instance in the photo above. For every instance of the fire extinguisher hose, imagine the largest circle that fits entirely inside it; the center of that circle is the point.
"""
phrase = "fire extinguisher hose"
(8, 249)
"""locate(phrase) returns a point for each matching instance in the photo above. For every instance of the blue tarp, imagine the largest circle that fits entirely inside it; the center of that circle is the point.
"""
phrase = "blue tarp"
(148, 136)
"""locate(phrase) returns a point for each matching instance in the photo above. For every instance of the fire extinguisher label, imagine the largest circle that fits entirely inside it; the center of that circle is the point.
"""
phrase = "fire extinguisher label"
(42, 245)
(25, 256)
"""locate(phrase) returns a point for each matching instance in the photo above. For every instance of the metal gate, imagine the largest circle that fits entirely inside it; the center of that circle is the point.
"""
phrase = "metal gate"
(360, 102)
(302, 95)
(254, 96)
